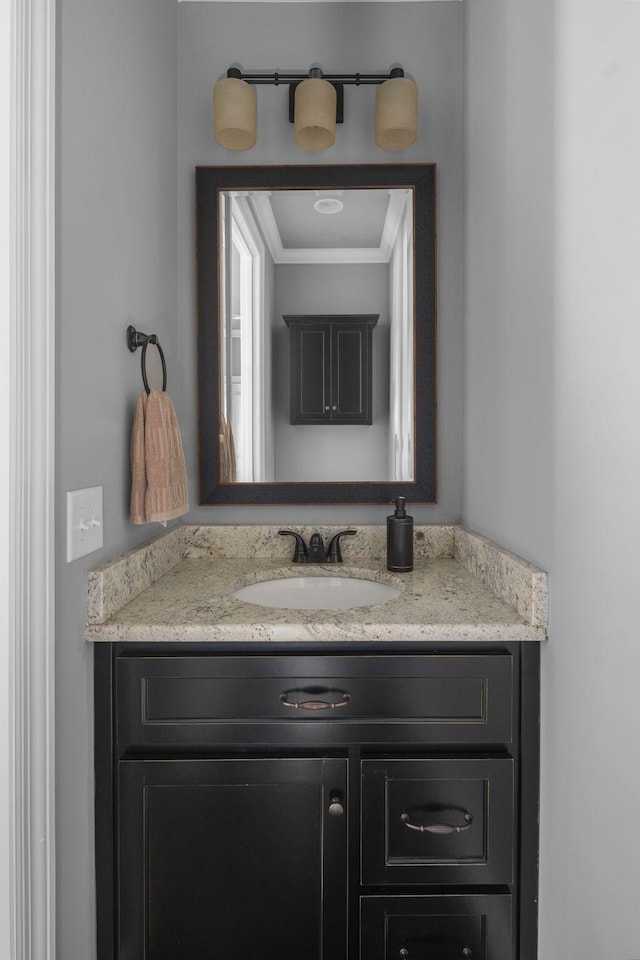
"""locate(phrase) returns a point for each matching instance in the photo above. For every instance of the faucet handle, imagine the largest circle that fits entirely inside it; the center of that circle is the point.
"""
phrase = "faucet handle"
(334, 554)
(300, 552)
(317, 552)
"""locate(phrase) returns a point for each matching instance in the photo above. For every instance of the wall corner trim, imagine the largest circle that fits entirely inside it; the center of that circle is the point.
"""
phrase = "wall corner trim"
(32, 421)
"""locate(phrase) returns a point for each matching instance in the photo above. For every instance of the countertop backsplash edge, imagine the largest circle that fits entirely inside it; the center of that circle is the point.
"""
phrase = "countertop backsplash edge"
(115, 584)
(520, 584)
(119, 581)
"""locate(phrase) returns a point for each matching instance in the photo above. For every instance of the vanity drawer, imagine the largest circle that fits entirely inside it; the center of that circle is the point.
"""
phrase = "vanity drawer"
(465, 927)
(438, 820)
(429, 698)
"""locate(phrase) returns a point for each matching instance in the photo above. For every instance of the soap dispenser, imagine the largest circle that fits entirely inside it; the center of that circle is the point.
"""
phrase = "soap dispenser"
(400, 539)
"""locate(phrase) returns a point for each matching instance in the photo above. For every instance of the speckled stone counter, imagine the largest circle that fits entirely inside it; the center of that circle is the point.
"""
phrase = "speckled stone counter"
(180, 588)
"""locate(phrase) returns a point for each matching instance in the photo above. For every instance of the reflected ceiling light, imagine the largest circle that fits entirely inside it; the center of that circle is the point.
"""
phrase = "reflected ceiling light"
(316, 105)
(328, 202)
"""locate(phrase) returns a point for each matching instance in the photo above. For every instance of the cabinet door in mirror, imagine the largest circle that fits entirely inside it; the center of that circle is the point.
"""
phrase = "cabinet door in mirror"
(330, 370)
(267, 254)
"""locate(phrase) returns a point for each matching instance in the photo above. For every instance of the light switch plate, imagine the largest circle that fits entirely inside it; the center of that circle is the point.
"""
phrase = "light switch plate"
(84, 522)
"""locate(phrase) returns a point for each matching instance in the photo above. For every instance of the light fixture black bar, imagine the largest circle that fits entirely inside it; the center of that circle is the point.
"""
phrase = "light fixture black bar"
(276, 78)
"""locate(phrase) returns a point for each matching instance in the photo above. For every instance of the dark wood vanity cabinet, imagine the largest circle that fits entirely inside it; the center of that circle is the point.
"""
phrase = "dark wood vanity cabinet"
(330, 368)
(326, 806)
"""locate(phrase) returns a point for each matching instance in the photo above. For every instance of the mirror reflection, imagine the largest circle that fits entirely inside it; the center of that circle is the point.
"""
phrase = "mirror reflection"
(316, 351)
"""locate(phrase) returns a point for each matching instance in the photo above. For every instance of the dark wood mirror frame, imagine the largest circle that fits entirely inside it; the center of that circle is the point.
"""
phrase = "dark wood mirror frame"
(421, 178)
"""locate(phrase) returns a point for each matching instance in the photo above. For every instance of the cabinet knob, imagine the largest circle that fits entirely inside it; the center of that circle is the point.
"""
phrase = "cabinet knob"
(336, 808)
(327, 407)
(404, 953)
(335, 406)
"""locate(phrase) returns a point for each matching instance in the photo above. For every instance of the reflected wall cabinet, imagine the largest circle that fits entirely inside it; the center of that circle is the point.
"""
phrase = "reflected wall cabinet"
(331, 368)
(322, 806)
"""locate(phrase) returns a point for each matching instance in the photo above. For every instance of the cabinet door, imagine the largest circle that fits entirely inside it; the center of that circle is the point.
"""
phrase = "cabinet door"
(232, 858)
(330, 371)
(310, 373)
(351, 387)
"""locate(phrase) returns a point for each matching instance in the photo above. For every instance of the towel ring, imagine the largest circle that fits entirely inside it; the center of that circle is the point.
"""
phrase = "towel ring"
(136, 339)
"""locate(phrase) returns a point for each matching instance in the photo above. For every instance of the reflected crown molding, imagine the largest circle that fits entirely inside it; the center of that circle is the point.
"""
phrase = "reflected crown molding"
(321, 1)
(261, 207)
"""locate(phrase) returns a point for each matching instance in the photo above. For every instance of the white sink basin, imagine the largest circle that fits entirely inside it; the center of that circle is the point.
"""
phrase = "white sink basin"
(317, 593)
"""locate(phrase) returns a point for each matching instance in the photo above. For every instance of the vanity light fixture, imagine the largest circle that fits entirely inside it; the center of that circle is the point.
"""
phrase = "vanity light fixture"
(316, 104)
(234, 112)
(315, 112)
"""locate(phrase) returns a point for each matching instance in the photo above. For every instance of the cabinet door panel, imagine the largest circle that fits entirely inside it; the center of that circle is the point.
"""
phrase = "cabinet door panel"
(351, 378)
(448, 821)
(310, 374)
(231, 858)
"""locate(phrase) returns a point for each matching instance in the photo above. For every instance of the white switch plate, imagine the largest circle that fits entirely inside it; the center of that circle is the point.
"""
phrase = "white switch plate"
(84, 522)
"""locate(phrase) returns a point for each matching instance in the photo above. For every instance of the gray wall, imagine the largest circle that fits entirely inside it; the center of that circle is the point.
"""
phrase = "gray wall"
(326, 452)
(509, 238)
(116, 264)
(428, 39)
(552, 406)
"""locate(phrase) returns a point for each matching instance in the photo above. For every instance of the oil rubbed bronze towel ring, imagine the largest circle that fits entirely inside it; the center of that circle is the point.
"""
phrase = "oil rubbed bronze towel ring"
(136, 339)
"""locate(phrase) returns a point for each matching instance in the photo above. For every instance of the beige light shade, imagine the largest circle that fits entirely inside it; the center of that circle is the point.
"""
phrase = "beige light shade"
(234, 114)
(315, 114)
(396, 113)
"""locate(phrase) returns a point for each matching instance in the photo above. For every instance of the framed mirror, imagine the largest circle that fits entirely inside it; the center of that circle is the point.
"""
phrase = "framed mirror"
(316, 302)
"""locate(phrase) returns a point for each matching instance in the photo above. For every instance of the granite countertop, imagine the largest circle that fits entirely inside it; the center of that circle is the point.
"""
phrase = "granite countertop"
(180, 587)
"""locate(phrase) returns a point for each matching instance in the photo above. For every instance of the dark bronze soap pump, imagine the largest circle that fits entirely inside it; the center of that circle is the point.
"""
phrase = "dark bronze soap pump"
(400, 539)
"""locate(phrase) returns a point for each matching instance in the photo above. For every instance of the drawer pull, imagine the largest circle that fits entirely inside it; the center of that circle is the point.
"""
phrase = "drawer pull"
(438, 828)
(466, 953)
(315, 704)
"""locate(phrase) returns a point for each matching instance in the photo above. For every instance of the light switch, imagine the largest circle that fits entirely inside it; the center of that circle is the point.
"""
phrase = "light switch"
(84, 522)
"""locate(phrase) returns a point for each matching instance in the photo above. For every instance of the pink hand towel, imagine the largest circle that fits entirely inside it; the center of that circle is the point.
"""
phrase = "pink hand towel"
(158, 471)
(227, 451)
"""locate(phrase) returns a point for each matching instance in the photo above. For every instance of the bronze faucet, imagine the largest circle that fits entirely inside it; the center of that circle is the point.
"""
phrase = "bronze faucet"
(316, 552)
